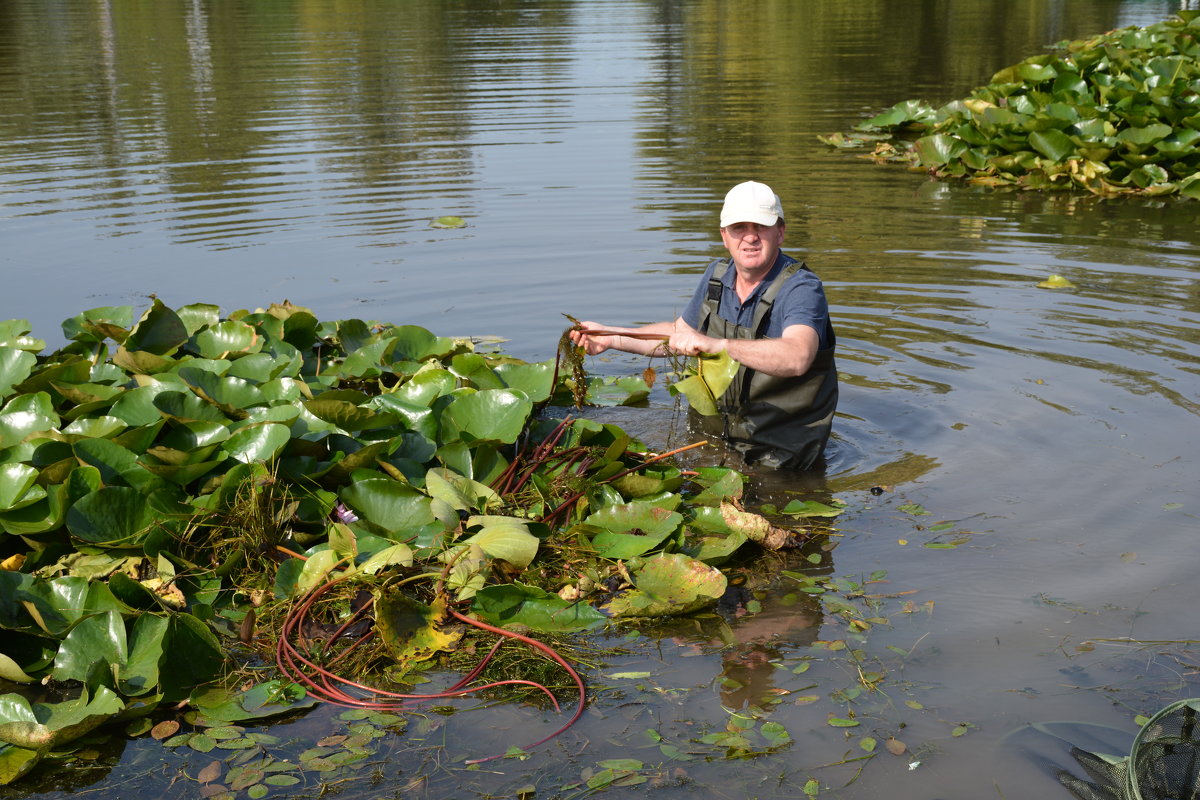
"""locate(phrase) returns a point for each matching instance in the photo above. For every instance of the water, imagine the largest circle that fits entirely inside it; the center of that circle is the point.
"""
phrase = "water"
(243, 154)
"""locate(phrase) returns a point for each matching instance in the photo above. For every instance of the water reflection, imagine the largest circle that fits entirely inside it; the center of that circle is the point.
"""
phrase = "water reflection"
(243, 153)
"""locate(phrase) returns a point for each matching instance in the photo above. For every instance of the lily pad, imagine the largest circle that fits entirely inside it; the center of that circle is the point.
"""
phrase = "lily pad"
(707, 382)
(631, 529)
(531, 607)
(668, 585)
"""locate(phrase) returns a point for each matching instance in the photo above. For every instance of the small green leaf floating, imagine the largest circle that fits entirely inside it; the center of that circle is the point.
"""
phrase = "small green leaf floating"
(1056, 282)
(448, 222)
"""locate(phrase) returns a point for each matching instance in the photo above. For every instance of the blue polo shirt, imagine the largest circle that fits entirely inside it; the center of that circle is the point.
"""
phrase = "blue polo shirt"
(801, 301)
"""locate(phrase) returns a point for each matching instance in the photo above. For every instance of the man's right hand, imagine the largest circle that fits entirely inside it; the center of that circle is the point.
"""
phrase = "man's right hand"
(592, 345)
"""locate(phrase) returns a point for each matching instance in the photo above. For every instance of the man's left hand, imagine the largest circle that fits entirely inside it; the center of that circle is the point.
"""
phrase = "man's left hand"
(687, 341)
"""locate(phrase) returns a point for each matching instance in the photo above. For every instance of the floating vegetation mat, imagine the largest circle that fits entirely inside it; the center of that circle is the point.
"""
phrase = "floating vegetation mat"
(1115, 114)
(220, 519)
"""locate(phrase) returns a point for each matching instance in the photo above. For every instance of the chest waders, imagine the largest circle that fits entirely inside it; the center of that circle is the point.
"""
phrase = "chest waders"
(779, 422)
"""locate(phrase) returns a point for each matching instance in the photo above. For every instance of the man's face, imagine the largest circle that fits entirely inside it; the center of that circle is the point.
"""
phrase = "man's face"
(753, 246)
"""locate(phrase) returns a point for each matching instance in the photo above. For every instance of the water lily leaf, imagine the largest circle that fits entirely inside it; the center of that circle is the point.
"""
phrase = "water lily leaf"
(1053, 144)
(15, 366)
(709, 537)
(475, 371)
(16, 481)
(414, 343)
(96, 638)
(185, 406)
(11, 671)
(1056, 282)
(348, 416)
(460, 492)
(51, 606)
(191, 656)
(720, 484)
(116, 464)
(111, 515)
(366, 361)
(711, 378)
(632, 529)
(411, 630)
(416, 417)
(257, 442)
(506, 538)
(1139, 138)
(905, 113)
(234, 396)
(97, 324)
(183, 474)
(227, 338)
(136, 406)
(190, 436)
(812, 508)
(401, 511)
(24, 415)
(939, 149)
(518, 604)
(535, 380)
(160, 331)
(400, 554)
(261, 701)
(494, 416)
(16, 762)
(622, 391)
(198, 315)
(260, 368)
(140, 362)
(43, 726)
(649, 482)
(316, 570)
(668, 584)
(15, 333)
(1036, 73)
(426, 386)
(448, 222)
(101, 427)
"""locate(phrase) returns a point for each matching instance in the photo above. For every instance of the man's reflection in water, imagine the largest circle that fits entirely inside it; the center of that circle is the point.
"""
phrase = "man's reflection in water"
(761, 619)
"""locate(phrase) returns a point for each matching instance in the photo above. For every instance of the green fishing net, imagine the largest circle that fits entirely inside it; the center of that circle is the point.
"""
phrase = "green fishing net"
(1163, 764)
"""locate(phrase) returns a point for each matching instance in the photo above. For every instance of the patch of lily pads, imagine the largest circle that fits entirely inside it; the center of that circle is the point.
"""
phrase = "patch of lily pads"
(174, 485)
(1115, 114)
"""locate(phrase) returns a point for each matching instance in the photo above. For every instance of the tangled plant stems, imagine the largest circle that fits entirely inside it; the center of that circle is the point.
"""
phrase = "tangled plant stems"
(328, 686)
(324, 684)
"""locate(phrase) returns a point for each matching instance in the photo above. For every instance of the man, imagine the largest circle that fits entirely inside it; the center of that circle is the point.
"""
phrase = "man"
(769, 312)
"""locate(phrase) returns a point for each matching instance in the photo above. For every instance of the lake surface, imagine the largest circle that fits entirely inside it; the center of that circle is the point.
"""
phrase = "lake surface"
(1021, 462)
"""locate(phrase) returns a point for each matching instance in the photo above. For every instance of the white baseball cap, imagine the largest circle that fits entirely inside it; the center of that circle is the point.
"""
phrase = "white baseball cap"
(751, 202)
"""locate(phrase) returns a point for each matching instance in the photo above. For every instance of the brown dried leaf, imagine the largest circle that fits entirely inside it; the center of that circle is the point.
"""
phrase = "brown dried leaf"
(649, 376)
(896, 747)
(165, 729)
(210, 773)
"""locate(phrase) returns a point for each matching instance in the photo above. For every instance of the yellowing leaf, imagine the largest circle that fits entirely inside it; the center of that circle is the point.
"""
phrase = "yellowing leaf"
(1056, 282)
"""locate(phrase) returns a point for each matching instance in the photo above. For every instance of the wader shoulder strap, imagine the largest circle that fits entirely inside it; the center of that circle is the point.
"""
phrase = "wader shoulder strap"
(763, 309)
(712, 298)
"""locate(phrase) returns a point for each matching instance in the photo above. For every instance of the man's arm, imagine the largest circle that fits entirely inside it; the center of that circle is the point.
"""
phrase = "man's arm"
(594, 345)
(789, 355)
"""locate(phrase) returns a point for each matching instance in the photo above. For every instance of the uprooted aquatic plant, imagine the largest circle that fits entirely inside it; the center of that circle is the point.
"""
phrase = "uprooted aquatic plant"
(1114, 114)
(180, 486)
(702, 379)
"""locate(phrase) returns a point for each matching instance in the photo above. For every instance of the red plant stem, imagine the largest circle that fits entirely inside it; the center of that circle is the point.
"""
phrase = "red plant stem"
(347, 651)
(289, 661)
(552, 655)
(575, 497)
(649, 337)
